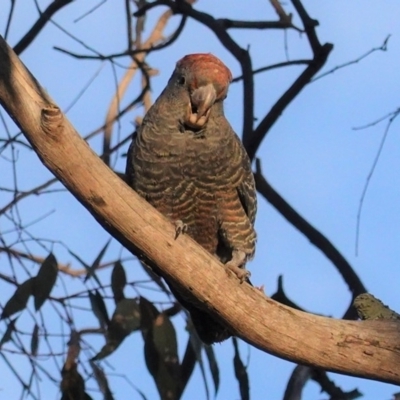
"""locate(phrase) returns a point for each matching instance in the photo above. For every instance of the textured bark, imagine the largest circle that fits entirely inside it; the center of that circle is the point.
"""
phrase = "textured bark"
(368, 349)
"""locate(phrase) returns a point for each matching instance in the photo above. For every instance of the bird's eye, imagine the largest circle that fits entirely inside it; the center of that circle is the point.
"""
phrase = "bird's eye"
(181, 80)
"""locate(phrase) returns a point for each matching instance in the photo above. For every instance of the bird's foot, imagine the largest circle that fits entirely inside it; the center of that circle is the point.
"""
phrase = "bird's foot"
(180, 227)
(261, 288)
(234, 265)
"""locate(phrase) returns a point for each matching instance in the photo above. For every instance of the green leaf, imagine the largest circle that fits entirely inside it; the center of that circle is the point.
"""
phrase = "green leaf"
(125, 320)
(96, 263)
(155, 278)
(19, 299)
(160, 350)
(45, 280)
(198, 345)
(187, 366)
(118, 281)
(99, 308)
(106, 350)
(7, 335)
(212, 361)
(147, 315)
(241, 373)
(127, 316)
(86, 266)
(35, 340)
(164, 336)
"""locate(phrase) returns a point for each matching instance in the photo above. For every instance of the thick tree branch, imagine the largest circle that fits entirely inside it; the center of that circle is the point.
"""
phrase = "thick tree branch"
(298, 85)
(320, 55)
(368, 349)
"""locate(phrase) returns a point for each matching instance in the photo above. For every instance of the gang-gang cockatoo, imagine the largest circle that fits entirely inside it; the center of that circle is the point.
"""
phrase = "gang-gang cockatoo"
(188, 163)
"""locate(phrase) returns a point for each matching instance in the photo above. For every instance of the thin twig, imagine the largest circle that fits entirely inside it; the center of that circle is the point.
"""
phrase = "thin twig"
(392, 116)
(90, 11)
(36, 28)
(274, 66)
(382, 47)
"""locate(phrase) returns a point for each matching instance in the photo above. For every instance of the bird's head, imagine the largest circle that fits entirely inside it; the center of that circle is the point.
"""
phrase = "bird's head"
(206, 79)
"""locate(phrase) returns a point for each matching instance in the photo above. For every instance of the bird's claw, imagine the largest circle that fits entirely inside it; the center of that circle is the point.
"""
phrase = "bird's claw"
(242, 273)
(261, 288)
(180, 227)
(234, 265)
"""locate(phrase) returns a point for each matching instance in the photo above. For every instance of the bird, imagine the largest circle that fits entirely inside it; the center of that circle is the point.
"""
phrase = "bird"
(189, 164)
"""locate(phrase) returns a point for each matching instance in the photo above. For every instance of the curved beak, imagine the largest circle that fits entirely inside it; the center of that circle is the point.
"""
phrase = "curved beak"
(201, 101)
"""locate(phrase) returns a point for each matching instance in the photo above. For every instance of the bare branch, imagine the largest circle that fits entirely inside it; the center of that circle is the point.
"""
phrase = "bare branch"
(274, 66)
(99, 56)
(298, 379)
(284, 18)
(320, 52)
(93, 9)
(36, 28)
(65, 268)
(9, 19)
(301, 374)
(382, 47)
(36, 191)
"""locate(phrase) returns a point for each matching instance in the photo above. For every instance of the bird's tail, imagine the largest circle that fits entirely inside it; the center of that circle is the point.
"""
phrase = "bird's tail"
(209, 330)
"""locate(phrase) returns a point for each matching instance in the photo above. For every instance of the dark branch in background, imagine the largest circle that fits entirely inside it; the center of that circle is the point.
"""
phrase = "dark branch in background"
(36, 191)
(129, 30)
(280, 296)
(309, 25)
(313, 235)
(298, 379)
(92, 10)
(99, 56)
(9, 19)
(301, 374)
(30, 36)
(274, 66)
(320, 52)
(382, 47)
(229, 23)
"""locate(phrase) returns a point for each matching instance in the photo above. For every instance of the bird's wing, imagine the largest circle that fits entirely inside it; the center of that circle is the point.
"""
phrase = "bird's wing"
(129, 170)
(246, 189)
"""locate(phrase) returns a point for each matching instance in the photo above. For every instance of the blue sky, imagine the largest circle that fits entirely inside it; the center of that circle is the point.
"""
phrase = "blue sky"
(312, 156)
